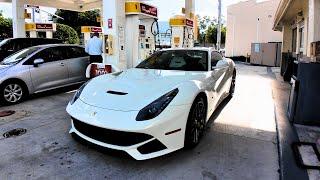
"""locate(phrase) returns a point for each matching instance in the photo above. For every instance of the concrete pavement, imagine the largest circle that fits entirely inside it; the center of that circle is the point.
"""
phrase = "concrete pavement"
(240, 142)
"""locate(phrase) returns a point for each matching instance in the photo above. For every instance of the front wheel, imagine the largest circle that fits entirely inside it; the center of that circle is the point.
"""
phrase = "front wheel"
(196, 123)
(12, 93)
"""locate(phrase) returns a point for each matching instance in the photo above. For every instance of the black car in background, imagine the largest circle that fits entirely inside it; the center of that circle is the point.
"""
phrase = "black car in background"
(12, 45)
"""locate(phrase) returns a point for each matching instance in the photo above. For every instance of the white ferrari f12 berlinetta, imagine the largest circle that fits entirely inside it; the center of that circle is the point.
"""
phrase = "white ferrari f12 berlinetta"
(158, 107)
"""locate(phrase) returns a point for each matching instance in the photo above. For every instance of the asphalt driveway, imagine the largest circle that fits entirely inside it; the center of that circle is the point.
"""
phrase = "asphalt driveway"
(240, 142)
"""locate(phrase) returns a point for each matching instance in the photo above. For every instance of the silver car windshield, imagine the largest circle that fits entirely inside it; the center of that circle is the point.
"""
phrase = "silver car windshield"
(19, 56)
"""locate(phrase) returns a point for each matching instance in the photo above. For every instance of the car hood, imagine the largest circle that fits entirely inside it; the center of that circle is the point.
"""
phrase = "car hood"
(135, 88)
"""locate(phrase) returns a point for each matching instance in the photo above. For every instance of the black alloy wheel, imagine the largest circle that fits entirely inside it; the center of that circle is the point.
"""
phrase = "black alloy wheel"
(196, 124)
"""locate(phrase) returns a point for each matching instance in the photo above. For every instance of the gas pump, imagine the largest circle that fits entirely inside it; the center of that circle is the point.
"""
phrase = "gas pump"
(141, 31)
(184, 27)
(182, 32)
(40, 30)
(87, 31)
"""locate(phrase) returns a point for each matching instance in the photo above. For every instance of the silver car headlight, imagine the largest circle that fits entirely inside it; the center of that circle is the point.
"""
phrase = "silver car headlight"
(78, 93)
(156, 107)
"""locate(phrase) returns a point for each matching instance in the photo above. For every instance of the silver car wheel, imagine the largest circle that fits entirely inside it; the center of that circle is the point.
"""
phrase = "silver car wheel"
(13, 93)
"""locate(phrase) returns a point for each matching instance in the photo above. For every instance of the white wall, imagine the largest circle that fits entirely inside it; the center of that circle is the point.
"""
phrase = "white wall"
(243, 27)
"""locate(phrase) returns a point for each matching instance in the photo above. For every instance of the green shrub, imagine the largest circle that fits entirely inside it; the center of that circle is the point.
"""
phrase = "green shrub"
(67, 34)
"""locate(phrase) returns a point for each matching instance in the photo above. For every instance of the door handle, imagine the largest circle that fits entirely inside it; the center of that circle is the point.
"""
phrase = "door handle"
(61, 64)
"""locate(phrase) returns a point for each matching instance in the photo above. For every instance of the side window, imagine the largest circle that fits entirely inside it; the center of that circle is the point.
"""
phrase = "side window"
(22, 44)
(215, 57)
(77, 52)
(58, 53)
(50, 54)
(10, 46)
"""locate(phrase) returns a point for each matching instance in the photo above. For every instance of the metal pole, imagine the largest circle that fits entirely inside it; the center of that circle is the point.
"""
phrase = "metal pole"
(219, 26)
(33, 15)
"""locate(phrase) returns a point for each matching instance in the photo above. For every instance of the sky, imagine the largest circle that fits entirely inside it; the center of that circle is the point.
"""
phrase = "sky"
(167, 8)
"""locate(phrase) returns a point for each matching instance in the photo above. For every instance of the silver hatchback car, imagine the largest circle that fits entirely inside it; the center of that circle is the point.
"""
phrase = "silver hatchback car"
(41, 68)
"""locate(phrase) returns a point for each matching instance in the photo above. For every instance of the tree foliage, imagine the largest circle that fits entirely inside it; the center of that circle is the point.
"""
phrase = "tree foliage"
(212, 32)
(78, 19)
(209, 30)
(67, 34)
(5, 27)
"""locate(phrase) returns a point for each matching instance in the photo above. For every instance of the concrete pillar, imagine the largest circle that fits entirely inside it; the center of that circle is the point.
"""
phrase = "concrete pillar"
(286, 38)
(18, 21)
(114, 25)
(190, 8)
(313, 25)
(132, 40)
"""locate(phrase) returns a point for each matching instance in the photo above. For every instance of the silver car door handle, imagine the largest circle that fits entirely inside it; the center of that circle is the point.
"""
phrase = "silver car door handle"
(61, 64)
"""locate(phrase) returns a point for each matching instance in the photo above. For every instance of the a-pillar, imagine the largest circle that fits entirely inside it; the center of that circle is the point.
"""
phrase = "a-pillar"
(114, 25)
(18, 22)
(314, 21)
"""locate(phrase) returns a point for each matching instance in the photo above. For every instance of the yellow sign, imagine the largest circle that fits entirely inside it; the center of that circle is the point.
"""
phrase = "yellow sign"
(176, 40)
(133, 7)
(85, 29)
(27, 15)
(177, 22)
(30, 26)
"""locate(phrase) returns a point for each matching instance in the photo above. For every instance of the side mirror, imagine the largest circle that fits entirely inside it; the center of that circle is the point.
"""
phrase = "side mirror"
(37, 62)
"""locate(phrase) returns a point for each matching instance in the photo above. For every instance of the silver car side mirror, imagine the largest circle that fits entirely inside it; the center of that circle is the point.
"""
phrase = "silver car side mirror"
(37, 62)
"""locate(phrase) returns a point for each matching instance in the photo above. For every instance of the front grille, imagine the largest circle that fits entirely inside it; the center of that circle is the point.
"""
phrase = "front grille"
(118, 138)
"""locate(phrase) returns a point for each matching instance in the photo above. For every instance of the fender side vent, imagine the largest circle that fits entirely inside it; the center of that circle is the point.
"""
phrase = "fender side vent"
(117, 93)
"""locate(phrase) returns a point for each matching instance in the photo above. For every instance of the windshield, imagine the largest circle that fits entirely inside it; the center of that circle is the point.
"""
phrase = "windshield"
(19, 56)
(183, 60)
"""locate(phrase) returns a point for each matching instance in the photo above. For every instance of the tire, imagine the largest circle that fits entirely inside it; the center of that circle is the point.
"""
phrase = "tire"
(233, 84)
(12, 92)
(196, 123)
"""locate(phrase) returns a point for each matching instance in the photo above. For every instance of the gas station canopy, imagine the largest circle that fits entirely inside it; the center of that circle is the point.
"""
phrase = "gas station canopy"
(74, 5)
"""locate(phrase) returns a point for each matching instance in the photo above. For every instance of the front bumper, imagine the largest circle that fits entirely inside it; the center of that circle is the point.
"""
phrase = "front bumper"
(120, 131)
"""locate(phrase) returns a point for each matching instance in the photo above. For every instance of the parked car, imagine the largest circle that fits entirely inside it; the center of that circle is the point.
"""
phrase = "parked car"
(158, 107)
(41, 68)
(12, 45)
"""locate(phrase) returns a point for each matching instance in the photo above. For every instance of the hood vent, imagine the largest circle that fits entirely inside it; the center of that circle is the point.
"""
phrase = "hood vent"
(117, 93)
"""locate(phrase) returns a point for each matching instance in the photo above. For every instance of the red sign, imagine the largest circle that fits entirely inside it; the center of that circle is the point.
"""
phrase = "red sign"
(96, 29)
(44, 26)
(96, 71)
(189, 22)
(110, 23)
(149, 10)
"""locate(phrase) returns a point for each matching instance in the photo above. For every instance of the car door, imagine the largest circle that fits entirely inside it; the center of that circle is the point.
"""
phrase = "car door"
(52, 73)
(77, 63)
(219, 68)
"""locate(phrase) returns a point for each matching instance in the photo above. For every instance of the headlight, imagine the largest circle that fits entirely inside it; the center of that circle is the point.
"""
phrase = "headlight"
(156, 107)
(78, 93)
